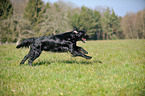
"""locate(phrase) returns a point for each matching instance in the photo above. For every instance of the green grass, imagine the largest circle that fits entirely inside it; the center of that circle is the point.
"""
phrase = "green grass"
(117, 68)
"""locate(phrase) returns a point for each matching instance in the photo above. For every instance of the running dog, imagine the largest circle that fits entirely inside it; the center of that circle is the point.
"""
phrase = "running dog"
(63, 42)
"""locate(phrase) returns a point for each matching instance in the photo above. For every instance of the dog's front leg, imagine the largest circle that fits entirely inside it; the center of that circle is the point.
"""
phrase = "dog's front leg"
(78, 53)
(83, 55)
(81, 49)
(70, 47)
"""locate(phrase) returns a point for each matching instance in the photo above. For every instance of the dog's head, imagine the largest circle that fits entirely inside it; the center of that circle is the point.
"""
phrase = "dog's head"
(81, 35)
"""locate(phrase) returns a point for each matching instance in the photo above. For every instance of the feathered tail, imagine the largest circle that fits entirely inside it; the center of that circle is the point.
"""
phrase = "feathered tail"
(26, 43)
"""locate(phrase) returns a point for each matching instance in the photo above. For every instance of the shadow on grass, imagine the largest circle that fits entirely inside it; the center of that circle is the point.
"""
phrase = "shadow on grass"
(80, 62)
(41, 63)
(65, 62)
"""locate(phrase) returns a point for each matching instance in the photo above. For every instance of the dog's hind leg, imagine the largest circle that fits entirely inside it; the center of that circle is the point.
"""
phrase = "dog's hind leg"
(33, 56)
(25, 58)
(35, 52)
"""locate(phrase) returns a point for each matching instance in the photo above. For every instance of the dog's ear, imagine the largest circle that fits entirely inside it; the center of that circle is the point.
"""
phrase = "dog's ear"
(75, 30)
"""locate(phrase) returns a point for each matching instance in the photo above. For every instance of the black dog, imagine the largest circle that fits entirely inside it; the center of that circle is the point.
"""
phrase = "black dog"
(57, 43)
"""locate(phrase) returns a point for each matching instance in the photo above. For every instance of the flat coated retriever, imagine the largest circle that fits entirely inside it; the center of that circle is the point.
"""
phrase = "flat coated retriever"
(56, 43)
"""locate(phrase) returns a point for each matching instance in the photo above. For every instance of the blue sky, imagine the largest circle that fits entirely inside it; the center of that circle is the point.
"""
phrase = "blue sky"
(121, 7)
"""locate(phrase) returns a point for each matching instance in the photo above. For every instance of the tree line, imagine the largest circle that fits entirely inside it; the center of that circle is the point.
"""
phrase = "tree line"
(20, 19)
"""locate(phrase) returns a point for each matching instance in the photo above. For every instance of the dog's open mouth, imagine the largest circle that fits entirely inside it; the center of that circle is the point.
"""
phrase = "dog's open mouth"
(84, 40)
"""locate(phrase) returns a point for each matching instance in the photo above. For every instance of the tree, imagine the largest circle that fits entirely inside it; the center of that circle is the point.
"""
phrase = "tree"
(19, 7)
(114, 25)
(34, 10)
(140, 24)
(56, 19)
(34, 13)
(6, 9)
(133, 25)
(15, 28)
(87, 19)
(128, 25)
(110, 24)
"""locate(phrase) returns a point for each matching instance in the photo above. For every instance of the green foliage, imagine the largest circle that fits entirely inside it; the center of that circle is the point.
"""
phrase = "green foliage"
(56, 19)
(8, 28)
(13, 29)
(110, 24)
(6, 9)
(87, 19)
(35, 18)
(116, 69)
(34, 11)
(102, 27)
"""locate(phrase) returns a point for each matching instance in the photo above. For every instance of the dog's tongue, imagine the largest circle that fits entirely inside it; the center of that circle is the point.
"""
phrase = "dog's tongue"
(84, 40)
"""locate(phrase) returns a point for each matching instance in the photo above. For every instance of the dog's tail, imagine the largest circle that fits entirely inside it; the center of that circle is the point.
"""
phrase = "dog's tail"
(26, 43)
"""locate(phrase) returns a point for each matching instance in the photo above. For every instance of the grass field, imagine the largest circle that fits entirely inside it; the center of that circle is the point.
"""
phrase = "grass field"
(116, 69)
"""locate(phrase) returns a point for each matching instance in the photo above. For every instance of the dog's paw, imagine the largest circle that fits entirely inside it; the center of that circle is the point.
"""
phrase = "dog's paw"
(88, 57)
(85, 52)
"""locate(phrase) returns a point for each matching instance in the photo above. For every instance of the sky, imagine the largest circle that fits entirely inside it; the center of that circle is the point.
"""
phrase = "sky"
(121, 7)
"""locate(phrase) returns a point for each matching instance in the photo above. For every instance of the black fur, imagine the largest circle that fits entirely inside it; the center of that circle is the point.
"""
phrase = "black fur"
(56, 43)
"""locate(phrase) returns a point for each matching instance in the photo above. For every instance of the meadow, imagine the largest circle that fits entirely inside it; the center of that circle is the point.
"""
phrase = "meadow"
(116, 69)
